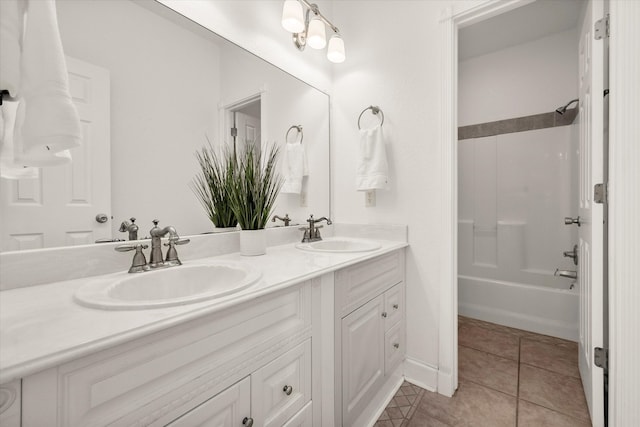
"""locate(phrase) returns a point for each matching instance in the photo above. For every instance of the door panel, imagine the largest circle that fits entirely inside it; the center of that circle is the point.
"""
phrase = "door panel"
(590, 233)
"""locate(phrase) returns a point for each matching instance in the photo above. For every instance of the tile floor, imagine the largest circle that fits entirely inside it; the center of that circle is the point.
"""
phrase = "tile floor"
(507, 377)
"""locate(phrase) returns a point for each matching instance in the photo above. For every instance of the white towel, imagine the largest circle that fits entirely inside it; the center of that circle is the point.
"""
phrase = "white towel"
(50, 123)
(372, 170)
(9, 169)
(11, 27)
(294, 168)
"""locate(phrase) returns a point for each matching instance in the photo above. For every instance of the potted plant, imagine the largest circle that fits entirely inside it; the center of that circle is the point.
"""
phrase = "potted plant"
(253, 194)
(212, 186)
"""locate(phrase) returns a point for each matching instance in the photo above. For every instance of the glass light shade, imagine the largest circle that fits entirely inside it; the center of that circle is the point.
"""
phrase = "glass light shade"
(316, 37)
(335, 52)
(292, 16)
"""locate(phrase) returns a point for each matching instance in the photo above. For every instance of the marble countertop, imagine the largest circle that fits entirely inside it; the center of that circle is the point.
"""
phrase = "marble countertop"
(41, 326)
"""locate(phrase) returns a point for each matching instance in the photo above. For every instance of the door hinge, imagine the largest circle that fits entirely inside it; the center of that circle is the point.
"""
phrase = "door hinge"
(601, 357)
(601, 28)
(600, 193)
(234, 132)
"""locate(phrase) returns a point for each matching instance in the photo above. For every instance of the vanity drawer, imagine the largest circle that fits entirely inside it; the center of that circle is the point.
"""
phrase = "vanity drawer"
(360, 283)
(280, 389)
(394, 306)
(394, 347)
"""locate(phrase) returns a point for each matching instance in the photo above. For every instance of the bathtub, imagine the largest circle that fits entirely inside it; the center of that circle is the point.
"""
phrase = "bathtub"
(545, 310)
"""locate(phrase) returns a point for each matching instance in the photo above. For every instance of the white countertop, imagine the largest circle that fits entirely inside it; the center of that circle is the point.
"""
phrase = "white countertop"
(42, 327)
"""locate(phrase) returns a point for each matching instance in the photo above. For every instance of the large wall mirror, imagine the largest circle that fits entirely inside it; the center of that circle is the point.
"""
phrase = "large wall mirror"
(152, 87)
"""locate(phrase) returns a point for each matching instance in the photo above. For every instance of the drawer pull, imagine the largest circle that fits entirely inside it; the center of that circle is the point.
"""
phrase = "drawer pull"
(395, 306)
(287, 390)
(396, 345)
(247, 422)
(384, 314)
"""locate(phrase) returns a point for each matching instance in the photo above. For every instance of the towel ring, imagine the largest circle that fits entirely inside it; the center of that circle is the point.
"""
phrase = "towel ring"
(4, 93)
(299, 129)
(375, 110)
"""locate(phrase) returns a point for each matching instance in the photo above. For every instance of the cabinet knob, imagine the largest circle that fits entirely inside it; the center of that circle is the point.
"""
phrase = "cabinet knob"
(396, 345)
(395, 306)
(384, 314)
(247, 421)
(287, 390)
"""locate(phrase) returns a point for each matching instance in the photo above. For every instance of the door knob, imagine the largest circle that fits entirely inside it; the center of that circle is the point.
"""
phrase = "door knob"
(102, 218)
(572, 254)
(568, 220)
(569, 274)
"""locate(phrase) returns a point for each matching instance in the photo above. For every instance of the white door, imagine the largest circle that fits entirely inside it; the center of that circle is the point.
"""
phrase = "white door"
(60, 207)
(362, 358)
(590, 253)
(248, 130)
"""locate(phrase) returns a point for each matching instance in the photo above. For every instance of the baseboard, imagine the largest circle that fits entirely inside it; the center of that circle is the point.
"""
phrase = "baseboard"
(421, 374)
(512, 319)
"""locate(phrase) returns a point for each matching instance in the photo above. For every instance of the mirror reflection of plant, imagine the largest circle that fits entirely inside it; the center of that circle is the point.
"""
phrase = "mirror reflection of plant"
(212, 185)
(256, 187)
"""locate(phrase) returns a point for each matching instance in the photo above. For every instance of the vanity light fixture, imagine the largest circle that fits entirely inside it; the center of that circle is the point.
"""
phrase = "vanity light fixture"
(310, 29)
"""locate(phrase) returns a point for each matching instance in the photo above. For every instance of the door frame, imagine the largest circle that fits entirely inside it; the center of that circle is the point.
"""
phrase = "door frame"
(623, 196)
(226, 110)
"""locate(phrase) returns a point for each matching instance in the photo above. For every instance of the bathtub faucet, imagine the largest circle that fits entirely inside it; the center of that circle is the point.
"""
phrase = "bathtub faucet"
(569, 274)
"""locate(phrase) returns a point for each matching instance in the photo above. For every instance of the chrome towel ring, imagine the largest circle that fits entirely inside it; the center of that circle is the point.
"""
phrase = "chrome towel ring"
(376, 111)
(299, 129)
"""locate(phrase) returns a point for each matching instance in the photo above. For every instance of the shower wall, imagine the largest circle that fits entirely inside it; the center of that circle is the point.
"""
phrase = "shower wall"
(516, 185)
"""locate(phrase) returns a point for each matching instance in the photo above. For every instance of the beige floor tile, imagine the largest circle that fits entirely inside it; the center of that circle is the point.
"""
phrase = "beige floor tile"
(494, 342)
(549, 339)
(561, 393)
(561, 357)
(472, 405)
(530, 415)
(422, 420)
(488, 370)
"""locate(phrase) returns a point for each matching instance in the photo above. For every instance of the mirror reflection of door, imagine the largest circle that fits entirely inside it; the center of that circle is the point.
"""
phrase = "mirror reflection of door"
(246, 128)
(36, 212)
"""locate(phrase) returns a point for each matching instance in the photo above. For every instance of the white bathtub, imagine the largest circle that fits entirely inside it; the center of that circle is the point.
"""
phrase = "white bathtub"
(544, 310)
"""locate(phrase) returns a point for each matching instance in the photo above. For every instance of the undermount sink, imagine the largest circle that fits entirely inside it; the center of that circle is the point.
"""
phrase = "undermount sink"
(166, 287)
(340, 244)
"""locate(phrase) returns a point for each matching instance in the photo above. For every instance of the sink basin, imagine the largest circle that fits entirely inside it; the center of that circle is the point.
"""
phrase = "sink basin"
(340, 244)
(184, 284)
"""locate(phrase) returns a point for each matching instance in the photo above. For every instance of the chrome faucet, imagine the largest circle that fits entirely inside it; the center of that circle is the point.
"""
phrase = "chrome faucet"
(569, 274)
(286, 219)
(312, 233)
(140, 264)
(130, 227)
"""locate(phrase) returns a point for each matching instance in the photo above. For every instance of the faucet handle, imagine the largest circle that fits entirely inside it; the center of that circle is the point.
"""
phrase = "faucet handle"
(139, 263)
(129, 247)
(172, 253)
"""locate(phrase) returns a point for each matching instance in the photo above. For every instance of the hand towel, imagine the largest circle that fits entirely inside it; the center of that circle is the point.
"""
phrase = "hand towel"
(372, 170)
(50, 124)
(9, 169)
(11, 26)
(294, 168)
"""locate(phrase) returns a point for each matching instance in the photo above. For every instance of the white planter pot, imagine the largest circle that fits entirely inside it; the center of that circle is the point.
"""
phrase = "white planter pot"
(224, 229)
(253, 242)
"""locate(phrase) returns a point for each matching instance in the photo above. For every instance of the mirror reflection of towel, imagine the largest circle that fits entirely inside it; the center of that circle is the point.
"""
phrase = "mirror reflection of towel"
(372, 171)
(50, 123)
(294, 168)
(9, 169)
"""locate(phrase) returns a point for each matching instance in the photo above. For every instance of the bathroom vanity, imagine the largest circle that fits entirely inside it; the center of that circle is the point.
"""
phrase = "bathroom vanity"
(318, 341)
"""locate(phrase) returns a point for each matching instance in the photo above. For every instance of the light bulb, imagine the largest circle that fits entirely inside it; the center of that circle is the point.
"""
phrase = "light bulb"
(335, 52)
(292, 16)
(316, 37)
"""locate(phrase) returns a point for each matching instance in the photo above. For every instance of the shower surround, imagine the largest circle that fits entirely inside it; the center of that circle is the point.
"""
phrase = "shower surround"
(515, 188)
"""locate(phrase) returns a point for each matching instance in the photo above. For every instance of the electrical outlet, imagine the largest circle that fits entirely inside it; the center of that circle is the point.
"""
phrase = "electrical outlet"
(370, 198)
(303, 200)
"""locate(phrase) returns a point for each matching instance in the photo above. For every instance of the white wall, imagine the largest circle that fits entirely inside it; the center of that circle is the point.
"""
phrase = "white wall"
(392, 51)
(531, 78)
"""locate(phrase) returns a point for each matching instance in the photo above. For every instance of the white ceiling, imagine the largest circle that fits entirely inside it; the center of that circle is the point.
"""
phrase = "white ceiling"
(527, 23)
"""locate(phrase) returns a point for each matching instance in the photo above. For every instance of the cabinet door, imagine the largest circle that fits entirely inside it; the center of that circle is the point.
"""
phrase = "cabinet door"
(362, 358)
(226, 409)
(281, 388)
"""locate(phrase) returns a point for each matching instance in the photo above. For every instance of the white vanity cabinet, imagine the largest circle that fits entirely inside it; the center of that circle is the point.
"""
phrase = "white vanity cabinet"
(250, 361)
(10, 402)
(370, 331)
